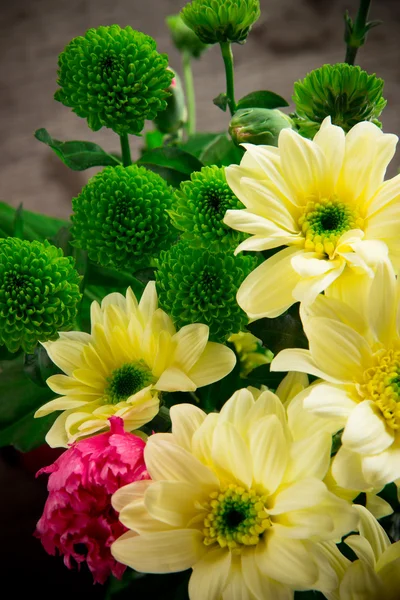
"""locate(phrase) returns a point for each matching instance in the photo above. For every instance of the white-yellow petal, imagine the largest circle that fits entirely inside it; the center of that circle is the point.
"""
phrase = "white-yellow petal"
(269, 450)
(209, 575)
(231, 457)
(186, 420)
(366, 431)
(215, 363)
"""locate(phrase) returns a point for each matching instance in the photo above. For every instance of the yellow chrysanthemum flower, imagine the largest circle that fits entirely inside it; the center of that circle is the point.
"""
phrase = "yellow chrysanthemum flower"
(358, 356)
(250, 351)
(376, 573)
(233, 497)
(132, 354)
(327, 201)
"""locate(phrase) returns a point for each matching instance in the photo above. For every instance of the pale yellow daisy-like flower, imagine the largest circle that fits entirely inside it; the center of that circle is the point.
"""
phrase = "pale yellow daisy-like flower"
(233, 497)
(375, 575)
(358, 356)
(132, 354)
(326, 200)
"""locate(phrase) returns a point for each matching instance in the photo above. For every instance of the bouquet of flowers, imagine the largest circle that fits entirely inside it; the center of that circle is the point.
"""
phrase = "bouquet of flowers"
(213, 339)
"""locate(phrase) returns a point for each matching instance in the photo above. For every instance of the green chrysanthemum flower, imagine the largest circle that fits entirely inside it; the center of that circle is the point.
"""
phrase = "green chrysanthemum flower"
(200, 206)
(120, 217)
(215, 21)
(198, 286)
(39, 293)
(114, 78)
(184, 38)
(345, 93)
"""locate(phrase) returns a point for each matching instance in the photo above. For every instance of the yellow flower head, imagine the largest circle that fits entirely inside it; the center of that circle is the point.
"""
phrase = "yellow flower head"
(233, 497)
(327, 201)
(375, 575)
(132, 354)
(357, 354)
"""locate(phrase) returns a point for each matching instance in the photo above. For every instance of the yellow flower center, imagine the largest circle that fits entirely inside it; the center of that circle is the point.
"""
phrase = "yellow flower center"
(324, 221)
(382, 385)
(236, 517)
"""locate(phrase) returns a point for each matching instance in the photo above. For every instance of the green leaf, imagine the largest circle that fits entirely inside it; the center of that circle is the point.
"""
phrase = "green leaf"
(221, 101)
(35, 226)
(197, 142)
(154, 139)
(221, 151)
(20, 398)
(172, 158)
(38, 366)
(263, 376)
(262, 99)
(113, 281)
(77, 155)
(282, 332)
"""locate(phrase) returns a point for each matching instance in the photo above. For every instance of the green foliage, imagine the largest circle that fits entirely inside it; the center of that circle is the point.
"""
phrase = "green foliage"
(199, 286)
(215, 21)
(221, 151)
(39, 293)
(120, 217)
(262, 99)
(114, 78)
(173, 164)
(34, 226)
(199, 208)
(345, 93)
(78, 156)
(282, 332)
(184, 39)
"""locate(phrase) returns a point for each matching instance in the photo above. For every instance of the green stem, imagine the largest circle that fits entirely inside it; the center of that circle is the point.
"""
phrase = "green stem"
(125, 149)
(359, 29)
(226, 49)
(190, 95)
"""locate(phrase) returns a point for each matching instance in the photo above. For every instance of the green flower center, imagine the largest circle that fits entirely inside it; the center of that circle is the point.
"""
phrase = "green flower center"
(128, 380)
(109, 63)
(215, 202)
(324, 222)
(382, 385)
(235, 517)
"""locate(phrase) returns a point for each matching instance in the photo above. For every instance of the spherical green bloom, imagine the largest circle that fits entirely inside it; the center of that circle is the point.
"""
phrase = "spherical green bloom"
(185, 40)
(200, 206)
(39, 293)
(258, 126)
(215, 21)
(198, 286)
(120, 217)
(114, 78)
(345, 93)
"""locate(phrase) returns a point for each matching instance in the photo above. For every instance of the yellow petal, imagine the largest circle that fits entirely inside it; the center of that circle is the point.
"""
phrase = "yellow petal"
(61, 384)
(215, 363)
(161, 552)
(149, 302)
(236, 409)
(269, 451)
(186, 420)
(66, 354)
(190, 341)
(331, 140)
(210, 575)
(260, 585)
(129, 493)
(64, 403)
(174, 379)
(366, 431)
(360, 582)
(300, 494)
(309, 457)
(174, 502)
(231, 456)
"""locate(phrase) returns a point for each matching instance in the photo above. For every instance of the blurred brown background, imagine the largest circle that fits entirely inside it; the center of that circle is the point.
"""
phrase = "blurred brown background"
(291, 38)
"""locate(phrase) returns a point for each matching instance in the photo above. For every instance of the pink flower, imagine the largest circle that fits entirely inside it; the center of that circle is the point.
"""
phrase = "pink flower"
(78, 519)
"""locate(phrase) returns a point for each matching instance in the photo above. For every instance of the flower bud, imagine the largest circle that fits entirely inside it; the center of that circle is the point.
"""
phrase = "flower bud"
(216, 21)
(258, 126)
(184, 38)
(174, 116)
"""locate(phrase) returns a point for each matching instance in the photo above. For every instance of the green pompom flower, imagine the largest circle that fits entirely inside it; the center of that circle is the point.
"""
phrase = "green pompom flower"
(200, 206)
(114, 78)
(198, 286)
(120, 217)
(215, 21)
(345, 93)
(39, 293)
(184, 38)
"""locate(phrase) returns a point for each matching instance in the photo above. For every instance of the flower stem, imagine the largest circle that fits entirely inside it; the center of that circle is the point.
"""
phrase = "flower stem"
(190, 95)
(226, 49)
(126, 151)
(360, 29)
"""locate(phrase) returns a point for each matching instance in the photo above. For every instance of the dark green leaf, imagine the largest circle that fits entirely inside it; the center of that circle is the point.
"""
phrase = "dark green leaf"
(38, 366)
(262, 99)
(197, 142)
(221, 151)
(171, 158)
(35, 226)
(213, 397)
(263, 376)
(78, 155)
(154, 139)
(19, 400)
(172, 586)
(221, 101)
(19, 223)
(311, 595)
(171, 176)
(282, 332)
(111, 280)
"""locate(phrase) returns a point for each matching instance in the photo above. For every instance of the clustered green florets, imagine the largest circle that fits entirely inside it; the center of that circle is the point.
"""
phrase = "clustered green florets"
(215, 21)
(200, 206)
(198, 286)
(345, 93)
(114, 77)
(184, 38)
(120, 217)
(128, 380)
(39, 293)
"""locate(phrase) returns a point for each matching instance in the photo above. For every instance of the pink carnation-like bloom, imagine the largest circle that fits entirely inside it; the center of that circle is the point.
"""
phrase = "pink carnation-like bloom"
(78, 519)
